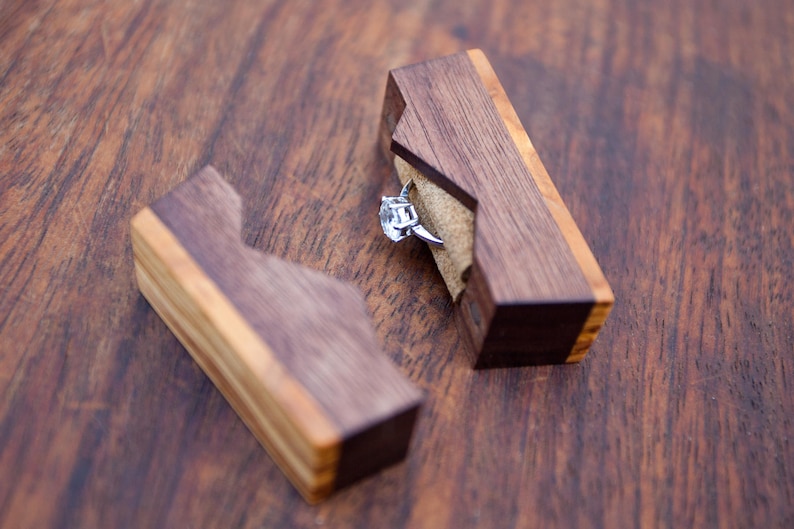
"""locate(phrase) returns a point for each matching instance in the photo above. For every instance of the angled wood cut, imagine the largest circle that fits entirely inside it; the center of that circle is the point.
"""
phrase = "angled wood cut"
(533, 291)
(291, 349)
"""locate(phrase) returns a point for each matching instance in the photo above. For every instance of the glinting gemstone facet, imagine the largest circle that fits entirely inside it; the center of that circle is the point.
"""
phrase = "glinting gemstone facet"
(397, 217)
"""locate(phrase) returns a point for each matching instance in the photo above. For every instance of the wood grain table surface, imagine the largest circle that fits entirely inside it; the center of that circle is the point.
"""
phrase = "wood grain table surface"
(668, 128)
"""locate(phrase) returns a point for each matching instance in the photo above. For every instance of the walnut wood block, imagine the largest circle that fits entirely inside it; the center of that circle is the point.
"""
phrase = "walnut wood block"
(536, 293)
(292, 349)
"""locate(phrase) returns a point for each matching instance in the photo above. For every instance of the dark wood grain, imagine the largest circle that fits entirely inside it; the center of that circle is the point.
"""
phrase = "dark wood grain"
(536, 294)
(668, 129)
(292, 349)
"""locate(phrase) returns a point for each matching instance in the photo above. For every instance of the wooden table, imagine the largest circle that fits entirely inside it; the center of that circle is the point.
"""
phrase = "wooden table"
(667, 127)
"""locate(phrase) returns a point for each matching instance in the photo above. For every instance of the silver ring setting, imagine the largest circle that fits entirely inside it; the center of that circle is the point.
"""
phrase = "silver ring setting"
(399, 219)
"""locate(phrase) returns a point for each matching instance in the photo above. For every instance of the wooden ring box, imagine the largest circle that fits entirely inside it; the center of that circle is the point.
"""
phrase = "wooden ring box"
(526, 286)
(292, 350)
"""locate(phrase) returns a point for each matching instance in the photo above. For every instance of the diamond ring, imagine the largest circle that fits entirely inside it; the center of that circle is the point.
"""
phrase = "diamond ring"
(399, 220)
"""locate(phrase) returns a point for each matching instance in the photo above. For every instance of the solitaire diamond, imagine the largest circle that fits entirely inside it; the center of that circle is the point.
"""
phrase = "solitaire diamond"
(397, 217)
(399, 220)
